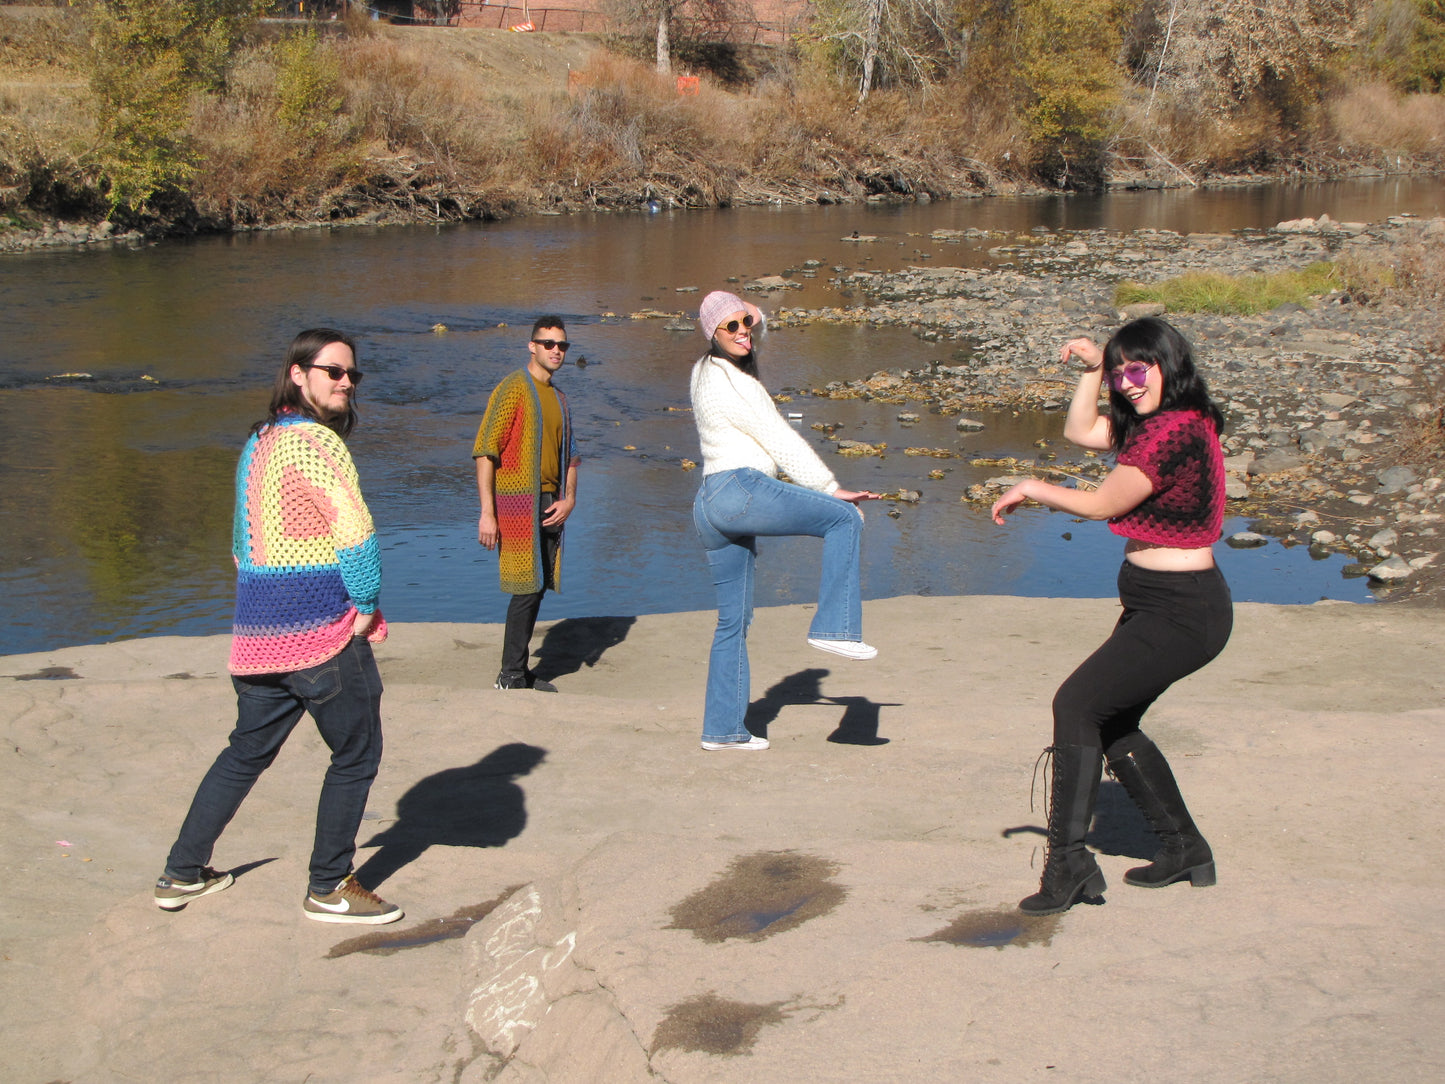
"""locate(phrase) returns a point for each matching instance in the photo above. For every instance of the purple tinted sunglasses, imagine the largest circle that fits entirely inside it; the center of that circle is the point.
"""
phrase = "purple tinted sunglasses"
(1134, 372)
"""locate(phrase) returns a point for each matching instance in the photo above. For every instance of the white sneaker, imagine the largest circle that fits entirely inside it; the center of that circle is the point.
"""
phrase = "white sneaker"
(849, 649)
(753, 742)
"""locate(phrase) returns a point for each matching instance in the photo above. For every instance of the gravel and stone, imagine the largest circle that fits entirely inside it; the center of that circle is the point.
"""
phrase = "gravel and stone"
(1325, 402)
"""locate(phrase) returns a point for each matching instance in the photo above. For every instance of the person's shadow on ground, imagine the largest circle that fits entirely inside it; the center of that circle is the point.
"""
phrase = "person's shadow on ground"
(858, 725)
(576, 642)
(475, 806)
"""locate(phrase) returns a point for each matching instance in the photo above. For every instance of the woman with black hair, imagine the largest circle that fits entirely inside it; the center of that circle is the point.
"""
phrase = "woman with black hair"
(1166, 497)
(745, 443)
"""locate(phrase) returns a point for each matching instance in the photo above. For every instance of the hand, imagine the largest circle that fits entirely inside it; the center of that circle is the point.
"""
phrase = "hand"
(853, 496)
(1015, 496)
(558, 513)
(487, 533)
(372, 626)
(1086, 350)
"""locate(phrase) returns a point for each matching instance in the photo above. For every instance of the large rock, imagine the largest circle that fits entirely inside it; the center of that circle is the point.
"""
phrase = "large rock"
(533, 1008)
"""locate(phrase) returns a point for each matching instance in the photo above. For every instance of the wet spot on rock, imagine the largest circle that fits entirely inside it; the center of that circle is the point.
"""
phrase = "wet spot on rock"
(430, 932)
(182, 676)
(760, 895)
(997, 928)
(713, 1025)
(49, 673)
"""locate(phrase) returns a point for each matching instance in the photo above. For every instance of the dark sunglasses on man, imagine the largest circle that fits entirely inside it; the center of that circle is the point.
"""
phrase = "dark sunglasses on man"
(335, 372)
(553, 344)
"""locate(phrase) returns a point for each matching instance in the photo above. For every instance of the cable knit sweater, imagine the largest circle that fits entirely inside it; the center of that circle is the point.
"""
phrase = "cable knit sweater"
(738, 425)
(307, 558)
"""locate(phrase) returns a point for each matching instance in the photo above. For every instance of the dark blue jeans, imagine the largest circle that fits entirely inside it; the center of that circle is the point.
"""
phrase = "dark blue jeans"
(343, 696)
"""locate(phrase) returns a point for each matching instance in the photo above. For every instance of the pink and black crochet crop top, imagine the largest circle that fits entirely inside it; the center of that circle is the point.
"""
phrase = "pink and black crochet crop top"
(1179, 451)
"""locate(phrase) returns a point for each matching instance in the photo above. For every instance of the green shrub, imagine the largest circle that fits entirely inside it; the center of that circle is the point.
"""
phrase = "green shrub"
(308, 85)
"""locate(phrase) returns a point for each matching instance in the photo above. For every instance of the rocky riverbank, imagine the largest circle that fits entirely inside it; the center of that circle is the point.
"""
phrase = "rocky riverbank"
(1325, 403)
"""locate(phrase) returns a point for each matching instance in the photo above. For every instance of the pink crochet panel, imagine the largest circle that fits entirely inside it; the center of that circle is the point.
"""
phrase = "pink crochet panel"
(307, 558)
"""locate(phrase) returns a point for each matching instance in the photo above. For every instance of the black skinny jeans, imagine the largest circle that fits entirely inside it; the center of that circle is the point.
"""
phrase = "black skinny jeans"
(1173, 623)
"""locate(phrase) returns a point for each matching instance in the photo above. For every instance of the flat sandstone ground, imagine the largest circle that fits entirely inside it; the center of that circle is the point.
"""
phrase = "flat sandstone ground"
(838, 908)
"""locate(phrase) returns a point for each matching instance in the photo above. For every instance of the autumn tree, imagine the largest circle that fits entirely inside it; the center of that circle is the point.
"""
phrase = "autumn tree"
(147, 58)
(1068, 59)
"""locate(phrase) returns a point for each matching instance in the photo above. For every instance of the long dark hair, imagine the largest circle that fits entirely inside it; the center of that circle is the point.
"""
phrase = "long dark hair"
(748, 363)
(286, 395)
(1157, 342)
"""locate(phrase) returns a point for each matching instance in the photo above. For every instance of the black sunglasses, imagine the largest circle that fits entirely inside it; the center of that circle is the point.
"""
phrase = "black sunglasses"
(732, 325)
(336, 372)
(553, 344)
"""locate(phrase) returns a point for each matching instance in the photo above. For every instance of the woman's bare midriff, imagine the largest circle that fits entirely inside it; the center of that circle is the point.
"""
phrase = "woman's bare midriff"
(1168, 558)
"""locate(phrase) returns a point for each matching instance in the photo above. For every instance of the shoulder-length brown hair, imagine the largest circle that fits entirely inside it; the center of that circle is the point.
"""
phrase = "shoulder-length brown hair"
(286, 395)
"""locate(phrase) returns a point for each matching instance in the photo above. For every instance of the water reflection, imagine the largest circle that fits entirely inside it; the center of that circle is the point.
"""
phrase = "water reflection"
(117, 494)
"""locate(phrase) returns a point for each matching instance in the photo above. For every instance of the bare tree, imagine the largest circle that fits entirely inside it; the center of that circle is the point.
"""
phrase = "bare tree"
(1219, 52)
(659, 19)
(888, 40)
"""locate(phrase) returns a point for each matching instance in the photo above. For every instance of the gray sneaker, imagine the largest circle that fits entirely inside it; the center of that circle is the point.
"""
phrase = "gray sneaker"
(349, 902)
(172, 895)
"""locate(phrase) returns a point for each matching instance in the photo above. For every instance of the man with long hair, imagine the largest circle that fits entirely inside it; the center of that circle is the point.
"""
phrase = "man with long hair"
(308, 579)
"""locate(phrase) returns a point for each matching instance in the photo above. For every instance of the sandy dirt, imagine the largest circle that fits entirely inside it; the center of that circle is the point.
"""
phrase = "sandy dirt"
(590, 897)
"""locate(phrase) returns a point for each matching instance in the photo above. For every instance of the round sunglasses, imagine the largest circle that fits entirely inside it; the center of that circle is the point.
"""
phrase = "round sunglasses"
(1135, 372)
(732, 325)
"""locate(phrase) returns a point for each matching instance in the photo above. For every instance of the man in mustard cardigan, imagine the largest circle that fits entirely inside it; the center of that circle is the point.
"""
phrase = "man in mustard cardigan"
(526, 459)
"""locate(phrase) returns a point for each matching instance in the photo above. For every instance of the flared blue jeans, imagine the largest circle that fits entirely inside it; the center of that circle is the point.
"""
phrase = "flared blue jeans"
(732, 510)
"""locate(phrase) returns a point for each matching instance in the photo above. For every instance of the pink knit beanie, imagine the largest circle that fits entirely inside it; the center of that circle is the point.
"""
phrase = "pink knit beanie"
(720, 304)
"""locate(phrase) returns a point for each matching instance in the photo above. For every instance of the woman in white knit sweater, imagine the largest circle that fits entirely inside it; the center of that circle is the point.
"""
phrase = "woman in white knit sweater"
(745, 443)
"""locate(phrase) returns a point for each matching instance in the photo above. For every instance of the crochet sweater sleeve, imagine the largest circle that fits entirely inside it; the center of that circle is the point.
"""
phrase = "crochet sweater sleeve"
(307, 557)
(738, 425)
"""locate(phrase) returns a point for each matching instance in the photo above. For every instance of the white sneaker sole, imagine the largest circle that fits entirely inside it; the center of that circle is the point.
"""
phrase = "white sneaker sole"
(353, 919)
(849, 649)
(175, 903)
(753, 744)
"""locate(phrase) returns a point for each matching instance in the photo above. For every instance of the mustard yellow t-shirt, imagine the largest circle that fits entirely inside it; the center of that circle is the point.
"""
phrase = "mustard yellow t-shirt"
(551, 438)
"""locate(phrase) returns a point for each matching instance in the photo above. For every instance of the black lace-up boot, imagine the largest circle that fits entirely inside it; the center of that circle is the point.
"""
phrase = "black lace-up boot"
(1142, 771)
(1070, 870)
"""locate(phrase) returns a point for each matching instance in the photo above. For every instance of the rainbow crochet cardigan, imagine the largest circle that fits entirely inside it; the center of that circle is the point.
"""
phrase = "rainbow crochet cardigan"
(511, 433)
(307, 558)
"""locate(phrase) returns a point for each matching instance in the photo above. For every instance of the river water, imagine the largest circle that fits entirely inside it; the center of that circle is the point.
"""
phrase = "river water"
(116, 492)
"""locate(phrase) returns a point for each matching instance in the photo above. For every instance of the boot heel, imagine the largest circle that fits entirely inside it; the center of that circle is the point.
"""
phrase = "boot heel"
(1202, 876)
(1096, 884)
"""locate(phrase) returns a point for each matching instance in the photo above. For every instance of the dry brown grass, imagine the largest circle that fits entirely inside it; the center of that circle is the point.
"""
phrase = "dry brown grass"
(39, 40)
(1372, 119)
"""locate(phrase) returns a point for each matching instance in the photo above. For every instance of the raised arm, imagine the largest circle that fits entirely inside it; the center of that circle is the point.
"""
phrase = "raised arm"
(1085, 426)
